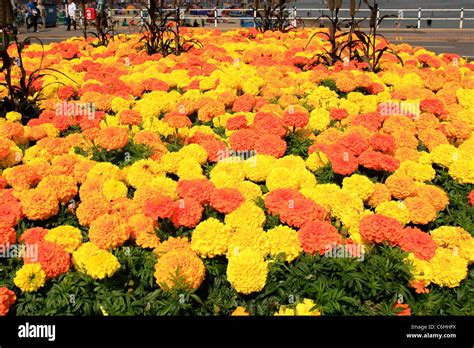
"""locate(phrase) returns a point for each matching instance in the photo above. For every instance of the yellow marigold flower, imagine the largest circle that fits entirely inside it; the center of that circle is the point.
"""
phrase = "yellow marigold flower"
(118, 104)
(306, 308)
(95, 262)
(210, 238)
(68, 237)
(143, 171)
(395, 209)
(421, 271)
(256, 169)
(291, 162)
(13, 116)
(284, 240)
(448, 269)
(179, 268)
(444, 155)
(463, 171)
(450, 236)
(249, 190)
(319, 120)
(104, 170)
(189, 169)
(324, 194)
(244, 238)
(30, 277)
(114, 189)
(359, 185)
(195, 152)
(240, 311)
(416, 171)
(247, 271)
(247, 215)
(281, 177)
(316, 160)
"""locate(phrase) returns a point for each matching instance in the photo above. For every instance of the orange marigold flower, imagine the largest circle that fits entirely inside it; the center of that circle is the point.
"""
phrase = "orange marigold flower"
(432, 138)
(378, 228)
(421, 211)
(236, 122)
(300, 211)
(355, 143)
(401, 186)
(277, 200)
(405, 309)
(187, 213)
(7, 299)
(470, 198)
(177, 120)
(378, 161)
(172, 243)
(381, 194)
(244, 103)
(33, 235)
(159, 207)
(434, 106)
(243, 139)
(384, 143)
(7, 235)
(179, 268)
(62, 186)
(147, 138)
(338, 114)
(295, 117)
(418, 242)
(91, 208)
(265, 122)
(112, 138)
(108, 231)
(142, 229)
(270, 144)
(4, 148)
(210, 110)
(226, 200)
(54, 260)
(346, 84)
(318, 237)
(39, 204)
(129, 117)
(198, 189)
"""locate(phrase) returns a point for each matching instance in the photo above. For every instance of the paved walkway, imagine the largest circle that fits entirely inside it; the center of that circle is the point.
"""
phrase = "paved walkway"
(460, 41)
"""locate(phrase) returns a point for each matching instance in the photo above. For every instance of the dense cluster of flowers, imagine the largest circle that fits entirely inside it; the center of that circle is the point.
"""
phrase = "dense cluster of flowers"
(220, 125)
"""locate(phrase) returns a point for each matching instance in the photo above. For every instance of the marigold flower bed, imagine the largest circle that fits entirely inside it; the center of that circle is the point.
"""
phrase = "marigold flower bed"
(239, 178)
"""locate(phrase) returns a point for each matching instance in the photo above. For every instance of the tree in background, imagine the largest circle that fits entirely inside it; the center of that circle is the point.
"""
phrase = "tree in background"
(6, 13)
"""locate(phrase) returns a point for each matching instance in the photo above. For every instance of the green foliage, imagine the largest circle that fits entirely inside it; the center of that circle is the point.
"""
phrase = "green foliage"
(458, 212)
(297, 144)
(130, 154)
(329, 83)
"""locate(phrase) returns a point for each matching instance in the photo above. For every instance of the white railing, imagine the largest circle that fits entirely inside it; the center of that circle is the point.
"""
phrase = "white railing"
(221, 15)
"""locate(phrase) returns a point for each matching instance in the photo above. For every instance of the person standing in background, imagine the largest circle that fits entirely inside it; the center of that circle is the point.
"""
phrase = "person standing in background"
(71, 13)
(42, 13)
(33, 13)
